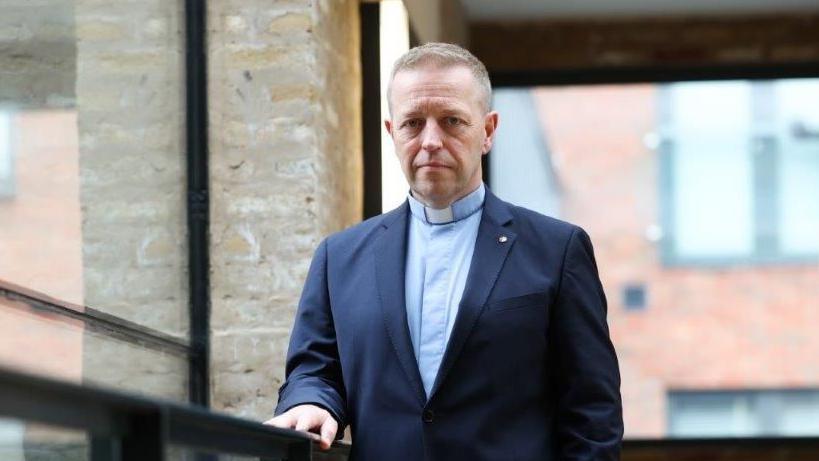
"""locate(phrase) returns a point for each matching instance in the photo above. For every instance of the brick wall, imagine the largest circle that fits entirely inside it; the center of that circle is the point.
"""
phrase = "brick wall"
(735, 327)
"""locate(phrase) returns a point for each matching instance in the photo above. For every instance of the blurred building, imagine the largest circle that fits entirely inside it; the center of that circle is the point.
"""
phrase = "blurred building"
(706, 229)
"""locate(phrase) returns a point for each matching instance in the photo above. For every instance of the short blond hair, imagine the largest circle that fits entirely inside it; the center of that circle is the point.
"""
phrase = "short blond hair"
(444, 55)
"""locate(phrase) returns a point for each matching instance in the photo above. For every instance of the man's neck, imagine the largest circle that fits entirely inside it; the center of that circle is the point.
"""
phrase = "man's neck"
(442, 203)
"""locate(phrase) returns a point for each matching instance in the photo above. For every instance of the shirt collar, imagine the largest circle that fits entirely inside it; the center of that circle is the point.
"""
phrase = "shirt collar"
(460, 209)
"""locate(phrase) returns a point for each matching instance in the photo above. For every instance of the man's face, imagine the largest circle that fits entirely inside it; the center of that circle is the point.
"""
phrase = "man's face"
(440, 131)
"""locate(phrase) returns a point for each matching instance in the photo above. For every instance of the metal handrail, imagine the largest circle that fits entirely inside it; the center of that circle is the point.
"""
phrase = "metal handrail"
(125, 427)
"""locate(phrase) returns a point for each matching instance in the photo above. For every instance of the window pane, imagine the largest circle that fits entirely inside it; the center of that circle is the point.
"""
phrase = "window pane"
(744, 413)
(798, 132)
(36, 342)
(713, 198)
(6, 159)
(20, 441)
(91, 142)
(712, 416)
(800, 415)
(712, 173)
(710, 108)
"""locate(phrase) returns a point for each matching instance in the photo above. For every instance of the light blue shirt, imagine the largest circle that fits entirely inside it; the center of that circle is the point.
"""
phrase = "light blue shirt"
(439, 252)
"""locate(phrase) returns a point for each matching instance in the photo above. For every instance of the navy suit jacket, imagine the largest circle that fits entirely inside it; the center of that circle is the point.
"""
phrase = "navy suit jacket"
(529, 372)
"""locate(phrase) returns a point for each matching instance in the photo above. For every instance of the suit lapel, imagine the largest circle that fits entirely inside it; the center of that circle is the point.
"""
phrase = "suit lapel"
(390, 264)
(491, 249)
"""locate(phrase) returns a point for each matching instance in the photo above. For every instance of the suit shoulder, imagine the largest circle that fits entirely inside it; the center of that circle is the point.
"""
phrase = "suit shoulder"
(360, 233)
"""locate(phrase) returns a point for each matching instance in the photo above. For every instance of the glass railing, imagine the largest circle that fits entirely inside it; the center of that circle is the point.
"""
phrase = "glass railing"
(52, 338)
(43, 418)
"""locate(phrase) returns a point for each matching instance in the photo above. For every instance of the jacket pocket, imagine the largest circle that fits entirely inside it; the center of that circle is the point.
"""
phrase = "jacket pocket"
(517, 302)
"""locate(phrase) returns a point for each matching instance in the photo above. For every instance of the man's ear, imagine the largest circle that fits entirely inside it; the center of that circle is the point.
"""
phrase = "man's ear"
(490, 125)
(388, 126)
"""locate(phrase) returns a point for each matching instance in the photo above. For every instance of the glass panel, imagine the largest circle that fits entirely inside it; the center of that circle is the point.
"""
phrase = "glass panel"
(712, 169)
(21, 441)
(713, 205)
(52, 345)
(800, 414)
(710, 108)
(798, 132)
(750, 413)
(713, 416)
(91, 137)
(92, 177)
(731, 316)
(6, 160)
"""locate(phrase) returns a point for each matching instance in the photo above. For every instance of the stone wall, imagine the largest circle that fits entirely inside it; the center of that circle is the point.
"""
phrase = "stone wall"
(37, 54)
(130, 116)
(285, 171)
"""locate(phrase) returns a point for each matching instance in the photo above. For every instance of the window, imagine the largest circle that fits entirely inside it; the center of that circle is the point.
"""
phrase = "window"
(739, 171)
(745, 192)
(93, 254)
(6, 157)
(743, 413)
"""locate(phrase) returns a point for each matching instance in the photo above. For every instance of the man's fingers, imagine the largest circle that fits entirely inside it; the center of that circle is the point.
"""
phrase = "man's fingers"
(328, 432)
(286, 420)
(305, 423)
(308, 418)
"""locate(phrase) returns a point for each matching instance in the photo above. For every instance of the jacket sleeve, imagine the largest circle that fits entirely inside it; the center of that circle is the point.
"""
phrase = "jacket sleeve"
(585, 374)
(313, 369)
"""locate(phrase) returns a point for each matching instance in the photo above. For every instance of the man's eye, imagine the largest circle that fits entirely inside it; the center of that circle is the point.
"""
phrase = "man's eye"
(414, 123)
(452, 121)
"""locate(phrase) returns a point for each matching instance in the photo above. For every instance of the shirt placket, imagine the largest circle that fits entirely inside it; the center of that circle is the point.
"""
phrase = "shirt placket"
(437, 277)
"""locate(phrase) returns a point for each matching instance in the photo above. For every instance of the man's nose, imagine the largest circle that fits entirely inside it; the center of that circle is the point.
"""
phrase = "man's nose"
(431, 137)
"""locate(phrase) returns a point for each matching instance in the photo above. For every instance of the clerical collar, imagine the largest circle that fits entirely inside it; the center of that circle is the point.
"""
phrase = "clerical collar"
(460, 209)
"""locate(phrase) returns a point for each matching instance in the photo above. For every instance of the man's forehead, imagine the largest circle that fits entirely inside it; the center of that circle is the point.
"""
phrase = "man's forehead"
(422, 102)
(434, 87)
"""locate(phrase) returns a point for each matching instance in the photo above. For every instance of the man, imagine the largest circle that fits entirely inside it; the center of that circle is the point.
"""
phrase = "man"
(456, 326)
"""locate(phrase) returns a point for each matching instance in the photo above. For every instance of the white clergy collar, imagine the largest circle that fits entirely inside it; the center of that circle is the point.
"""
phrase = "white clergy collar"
(460, 209)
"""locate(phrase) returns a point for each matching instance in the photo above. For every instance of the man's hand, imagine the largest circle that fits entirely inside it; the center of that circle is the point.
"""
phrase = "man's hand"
(310, 419)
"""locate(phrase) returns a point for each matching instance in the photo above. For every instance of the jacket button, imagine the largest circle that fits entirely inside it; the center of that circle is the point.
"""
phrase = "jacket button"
(428, 416)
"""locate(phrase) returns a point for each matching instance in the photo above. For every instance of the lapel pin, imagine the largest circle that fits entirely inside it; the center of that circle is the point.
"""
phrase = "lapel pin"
(502, 239)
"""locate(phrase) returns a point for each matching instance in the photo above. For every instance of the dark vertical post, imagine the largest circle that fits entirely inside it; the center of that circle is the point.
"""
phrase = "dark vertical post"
(371, 106)
(147, 437)
(198, 202)
(300, 451)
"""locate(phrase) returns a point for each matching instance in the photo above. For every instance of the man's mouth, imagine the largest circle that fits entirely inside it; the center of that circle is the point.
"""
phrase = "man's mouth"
(433, 165)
